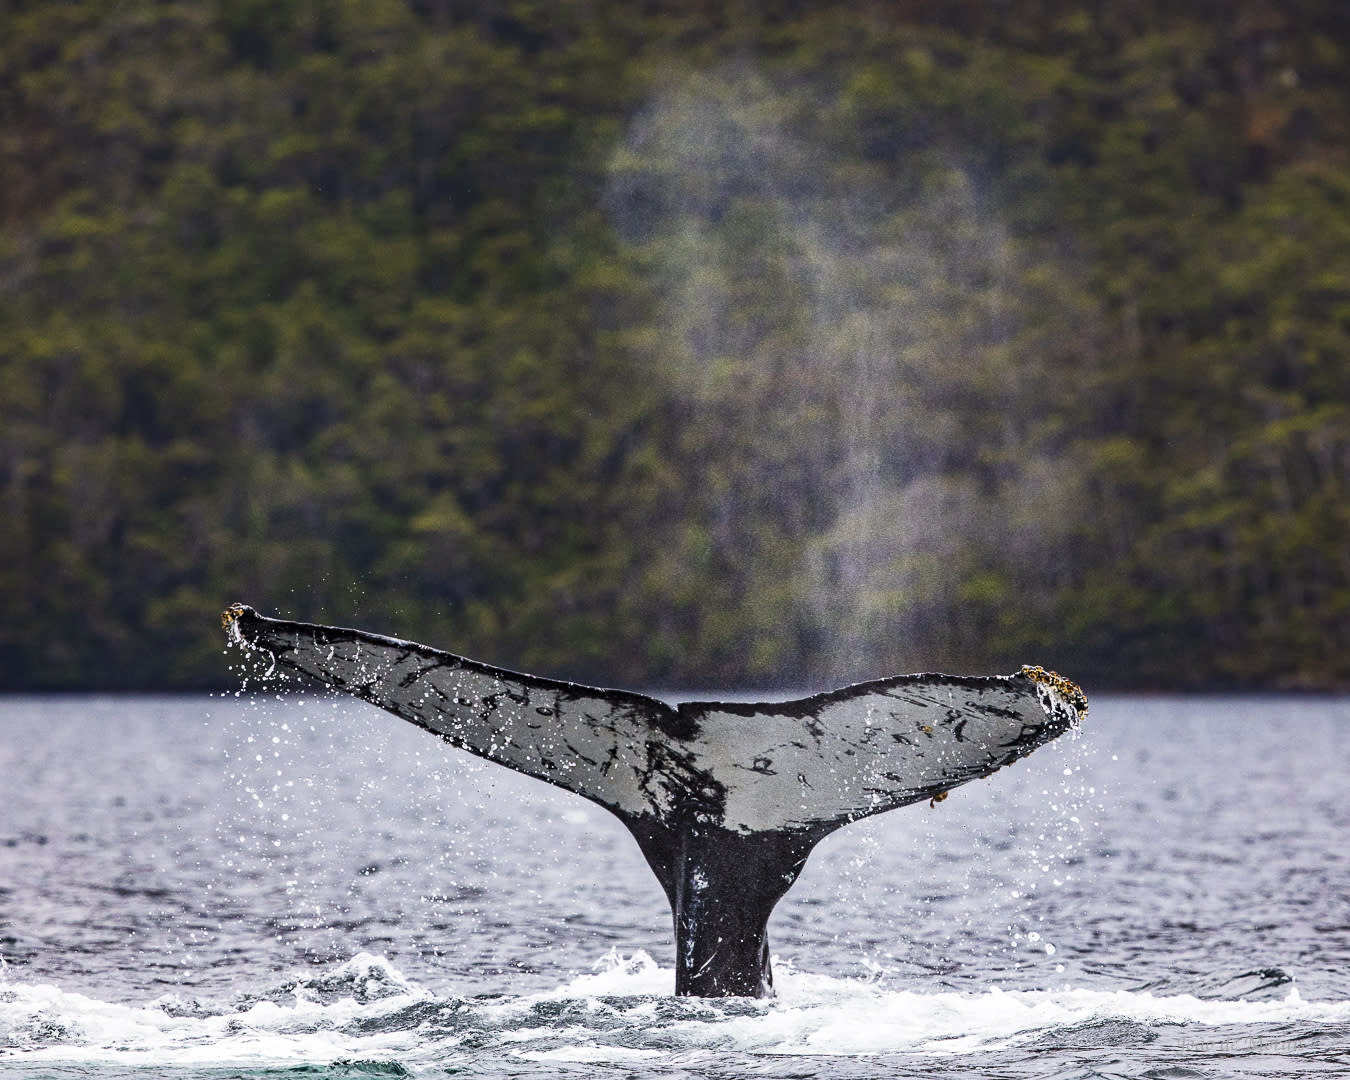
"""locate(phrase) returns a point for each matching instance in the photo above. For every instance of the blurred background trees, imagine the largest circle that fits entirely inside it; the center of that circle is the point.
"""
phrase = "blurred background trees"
(679, 344)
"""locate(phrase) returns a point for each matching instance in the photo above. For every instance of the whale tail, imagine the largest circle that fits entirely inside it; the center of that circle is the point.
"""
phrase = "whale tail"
(726, 801)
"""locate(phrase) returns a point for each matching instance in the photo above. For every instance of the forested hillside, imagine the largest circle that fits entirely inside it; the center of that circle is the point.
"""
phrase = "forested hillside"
(679, 344)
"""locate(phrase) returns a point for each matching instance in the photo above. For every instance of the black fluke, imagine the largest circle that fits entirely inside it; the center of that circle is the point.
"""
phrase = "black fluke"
(726, 801)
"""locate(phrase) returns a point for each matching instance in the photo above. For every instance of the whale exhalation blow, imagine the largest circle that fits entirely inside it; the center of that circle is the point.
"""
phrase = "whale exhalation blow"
(726, 801)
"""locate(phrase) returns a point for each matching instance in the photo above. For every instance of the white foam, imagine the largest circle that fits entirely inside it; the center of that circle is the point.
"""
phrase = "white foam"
(861, 1020)
(593, 1054)
(616, 975)
(622, 1012)
(48, 1024)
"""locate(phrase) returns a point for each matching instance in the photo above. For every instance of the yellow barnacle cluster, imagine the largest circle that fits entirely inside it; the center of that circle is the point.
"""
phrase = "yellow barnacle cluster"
(230, 614)
(1067, 687)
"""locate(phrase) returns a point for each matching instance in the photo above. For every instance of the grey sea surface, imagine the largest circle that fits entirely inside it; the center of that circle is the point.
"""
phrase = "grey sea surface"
(262, 886)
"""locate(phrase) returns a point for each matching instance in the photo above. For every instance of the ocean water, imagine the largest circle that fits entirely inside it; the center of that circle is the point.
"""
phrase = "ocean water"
(253, 886)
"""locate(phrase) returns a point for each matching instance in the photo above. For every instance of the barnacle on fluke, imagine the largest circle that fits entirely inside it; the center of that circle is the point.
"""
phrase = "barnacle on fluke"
(1067, 687)
(230, 614)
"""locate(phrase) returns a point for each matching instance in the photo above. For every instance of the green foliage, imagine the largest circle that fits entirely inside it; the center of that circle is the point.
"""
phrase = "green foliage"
(681, 344)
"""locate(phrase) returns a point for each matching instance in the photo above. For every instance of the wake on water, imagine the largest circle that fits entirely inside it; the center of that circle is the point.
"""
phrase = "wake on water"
(364, 1017)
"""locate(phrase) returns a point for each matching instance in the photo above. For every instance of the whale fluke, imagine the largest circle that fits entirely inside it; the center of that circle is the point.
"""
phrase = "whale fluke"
(725, 800)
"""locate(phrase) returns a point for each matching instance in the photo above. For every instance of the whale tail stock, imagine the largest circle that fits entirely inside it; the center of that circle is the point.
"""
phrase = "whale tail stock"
(726, 801)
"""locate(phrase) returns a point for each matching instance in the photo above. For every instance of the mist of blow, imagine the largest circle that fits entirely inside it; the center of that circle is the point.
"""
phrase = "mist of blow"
(856, 348)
